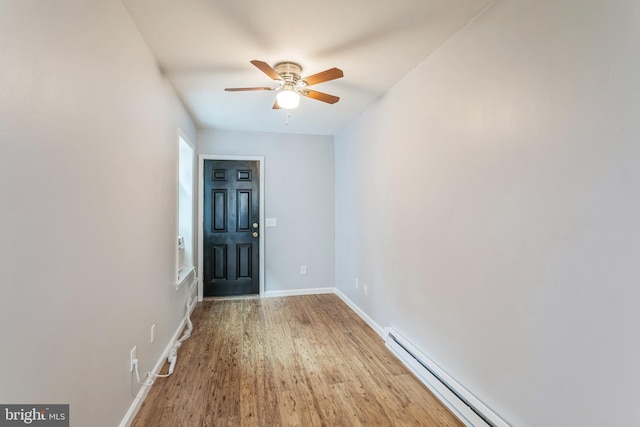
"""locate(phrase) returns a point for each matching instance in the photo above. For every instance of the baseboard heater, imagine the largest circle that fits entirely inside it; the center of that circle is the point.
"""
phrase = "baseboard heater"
(459, 400)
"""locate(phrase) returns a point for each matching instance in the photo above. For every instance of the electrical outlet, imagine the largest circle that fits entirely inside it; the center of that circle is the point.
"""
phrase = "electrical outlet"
(153, 333)
(365, 290)
(303, 269)
(134, 356)
(357, 285)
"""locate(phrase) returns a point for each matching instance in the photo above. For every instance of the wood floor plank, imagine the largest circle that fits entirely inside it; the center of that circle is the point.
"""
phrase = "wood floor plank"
(293, 361)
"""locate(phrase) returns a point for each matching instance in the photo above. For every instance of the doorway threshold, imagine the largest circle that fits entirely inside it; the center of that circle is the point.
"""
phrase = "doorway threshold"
(232, 297)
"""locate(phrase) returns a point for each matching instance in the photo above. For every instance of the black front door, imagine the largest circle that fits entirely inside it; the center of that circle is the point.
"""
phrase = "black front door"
(231, 227)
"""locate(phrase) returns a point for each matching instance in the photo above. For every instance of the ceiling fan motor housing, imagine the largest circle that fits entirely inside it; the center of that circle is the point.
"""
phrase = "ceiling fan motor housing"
(290, 73)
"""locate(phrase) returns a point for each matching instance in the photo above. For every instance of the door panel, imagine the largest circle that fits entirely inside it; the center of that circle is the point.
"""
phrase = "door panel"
(244, 210)
(220, 262)
(219, 210)
(244, 261)
(231, 227)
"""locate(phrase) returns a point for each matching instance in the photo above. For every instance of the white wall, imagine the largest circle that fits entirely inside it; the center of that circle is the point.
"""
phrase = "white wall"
(88, 159)
(299, 193)
(491, 201)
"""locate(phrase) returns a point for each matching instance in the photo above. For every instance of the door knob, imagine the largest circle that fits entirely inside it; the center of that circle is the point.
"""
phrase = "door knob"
(255, 234)
(255, 225)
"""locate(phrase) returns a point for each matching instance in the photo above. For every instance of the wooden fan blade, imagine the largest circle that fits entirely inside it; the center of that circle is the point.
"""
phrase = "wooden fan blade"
(276, 106)
(241, 89)
(267, 69)
(324, 76)
(320, 96)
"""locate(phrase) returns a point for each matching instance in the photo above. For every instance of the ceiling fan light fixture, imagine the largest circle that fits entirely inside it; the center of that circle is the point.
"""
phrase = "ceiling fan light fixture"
(288, 99)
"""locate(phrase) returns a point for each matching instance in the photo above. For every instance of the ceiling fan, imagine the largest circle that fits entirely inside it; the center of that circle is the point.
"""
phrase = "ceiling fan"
(291, 85)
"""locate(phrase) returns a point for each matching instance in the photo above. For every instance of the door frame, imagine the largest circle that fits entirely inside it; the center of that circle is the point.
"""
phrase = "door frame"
(201, 159)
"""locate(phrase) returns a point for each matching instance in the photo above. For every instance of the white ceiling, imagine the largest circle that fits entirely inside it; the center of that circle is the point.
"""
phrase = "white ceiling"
(203, 46)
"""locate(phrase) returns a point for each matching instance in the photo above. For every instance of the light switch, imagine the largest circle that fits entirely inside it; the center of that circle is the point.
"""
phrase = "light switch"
(270, 222)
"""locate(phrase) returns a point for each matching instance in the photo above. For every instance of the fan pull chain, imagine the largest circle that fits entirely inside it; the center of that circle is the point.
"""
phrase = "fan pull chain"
(286, 121)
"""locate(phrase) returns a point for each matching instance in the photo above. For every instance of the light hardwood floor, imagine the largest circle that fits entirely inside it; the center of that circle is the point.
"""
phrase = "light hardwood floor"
(292, 361)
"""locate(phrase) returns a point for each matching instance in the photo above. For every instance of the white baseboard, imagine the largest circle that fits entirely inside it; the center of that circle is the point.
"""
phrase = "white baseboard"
(364, 316)
(441, 387)
(294, 292)
(468, 408)
(144, 390)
